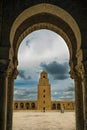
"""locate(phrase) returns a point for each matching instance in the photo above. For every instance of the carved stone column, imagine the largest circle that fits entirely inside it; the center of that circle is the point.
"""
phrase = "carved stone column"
(3, 97)
(10, 93)
(79, 102)
(84, 75)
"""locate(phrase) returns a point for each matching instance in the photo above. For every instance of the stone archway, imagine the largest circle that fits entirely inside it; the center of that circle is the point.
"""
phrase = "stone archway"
(16, 106)
(21, 105)
(27, 106)
(41, 16)
(58, 106)
(33, 105)
(54, 18)
(54, 106)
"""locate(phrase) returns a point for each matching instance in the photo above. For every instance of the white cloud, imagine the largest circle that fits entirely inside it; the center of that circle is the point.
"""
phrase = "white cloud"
(55, 93)
(43, 46)
(24, 93)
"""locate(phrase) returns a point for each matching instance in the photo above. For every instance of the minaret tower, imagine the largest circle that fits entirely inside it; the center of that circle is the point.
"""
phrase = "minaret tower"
(44, 93)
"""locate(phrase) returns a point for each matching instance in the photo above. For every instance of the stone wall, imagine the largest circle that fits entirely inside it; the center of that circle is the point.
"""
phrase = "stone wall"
(33, 105)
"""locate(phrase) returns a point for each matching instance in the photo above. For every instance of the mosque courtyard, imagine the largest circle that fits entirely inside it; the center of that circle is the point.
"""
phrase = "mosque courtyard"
(43, 121)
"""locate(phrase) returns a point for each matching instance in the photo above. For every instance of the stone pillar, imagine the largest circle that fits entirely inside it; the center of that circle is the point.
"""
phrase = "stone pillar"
(56, 106)
(3, 100)
(10, 103)
(79, 104)
(84, 74)
(78, 99)
(10, 93)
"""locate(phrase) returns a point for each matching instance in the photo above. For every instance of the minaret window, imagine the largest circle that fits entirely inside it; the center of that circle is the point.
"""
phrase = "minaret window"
(43, 76)
(43, 95)
(44, 90)
(43, 101)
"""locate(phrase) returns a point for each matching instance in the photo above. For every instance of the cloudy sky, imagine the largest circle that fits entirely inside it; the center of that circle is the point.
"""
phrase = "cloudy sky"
(43, 50)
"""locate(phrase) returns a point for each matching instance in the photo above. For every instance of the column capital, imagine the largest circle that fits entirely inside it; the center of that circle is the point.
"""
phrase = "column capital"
(82, 69)
(7, 69)
(75, 75)
(14, 73)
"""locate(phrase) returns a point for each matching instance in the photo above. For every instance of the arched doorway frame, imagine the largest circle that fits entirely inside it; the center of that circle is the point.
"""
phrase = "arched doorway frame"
(58, 20)
(43, 9)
